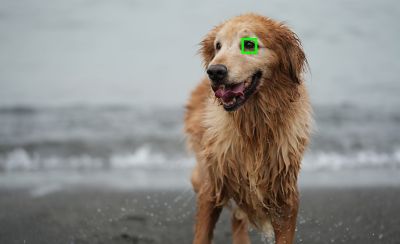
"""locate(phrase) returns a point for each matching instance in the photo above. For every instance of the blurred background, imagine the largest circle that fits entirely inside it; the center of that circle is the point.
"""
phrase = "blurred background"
(92, 92)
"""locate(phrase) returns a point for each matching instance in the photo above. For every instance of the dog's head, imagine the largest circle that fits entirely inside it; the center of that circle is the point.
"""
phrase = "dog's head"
(235, 77)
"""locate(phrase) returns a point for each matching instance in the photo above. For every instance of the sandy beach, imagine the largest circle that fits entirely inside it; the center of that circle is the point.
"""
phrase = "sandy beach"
(328, 215)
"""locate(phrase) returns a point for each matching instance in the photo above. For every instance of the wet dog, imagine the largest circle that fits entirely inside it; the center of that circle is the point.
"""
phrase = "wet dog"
(249, 123)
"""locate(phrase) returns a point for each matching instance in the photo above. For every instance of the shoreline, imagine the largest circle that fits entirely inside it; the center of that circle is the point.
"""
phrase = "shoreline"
(156, 179)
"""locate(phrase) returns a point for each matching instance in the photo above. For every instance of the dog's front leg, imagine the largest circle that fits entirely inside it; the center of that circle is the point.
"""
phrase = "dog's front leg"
(207, 216)
(284, 224)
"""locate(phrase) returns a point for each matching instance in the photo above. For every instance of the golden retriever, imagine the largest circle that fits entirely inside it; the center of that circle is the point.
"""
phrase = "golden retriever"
(249, 125)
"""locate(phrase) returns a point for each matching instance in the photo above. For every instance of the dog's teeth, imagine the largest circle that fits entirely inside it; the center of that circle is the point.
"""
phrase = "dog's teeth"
(231, 102)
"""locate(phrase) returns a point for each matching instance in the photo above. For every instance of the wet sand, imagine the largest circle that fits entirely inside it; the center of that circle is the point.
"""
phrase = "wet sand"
(328, 215)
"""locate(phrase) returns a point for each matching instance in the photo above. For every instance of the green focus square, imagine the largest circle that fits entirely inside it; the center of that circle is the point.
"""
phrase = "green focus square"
(250, 39)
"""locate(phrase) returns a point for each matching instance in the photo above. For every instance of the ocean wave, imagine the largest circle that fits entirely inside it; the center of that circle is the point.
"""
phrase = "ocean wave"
(16, 110)
(360, 159)
(145, 158)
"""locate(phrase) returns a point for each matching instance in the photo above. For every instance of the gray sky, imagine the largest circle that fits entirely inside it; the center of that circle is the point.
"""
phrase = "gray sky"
(55, 52)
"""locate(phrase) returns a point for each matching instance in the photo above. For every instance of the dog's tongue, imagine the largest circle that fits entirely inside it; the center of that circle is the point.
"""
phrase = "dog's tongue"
(228, 93)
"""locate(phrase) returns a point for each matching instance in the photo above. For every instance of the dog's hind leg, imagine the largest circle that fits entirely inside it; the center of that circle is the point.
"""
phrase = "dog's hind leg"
(240, 234)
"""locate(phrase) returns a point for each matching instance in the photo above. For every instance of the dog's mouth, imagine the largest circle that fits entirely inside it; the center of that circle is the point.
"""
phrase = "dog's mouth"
(233, 96)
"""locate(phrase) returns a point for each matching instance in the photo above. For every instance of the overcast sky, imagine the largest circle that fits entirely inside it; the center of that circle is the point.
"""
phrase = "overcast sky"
(55, 52)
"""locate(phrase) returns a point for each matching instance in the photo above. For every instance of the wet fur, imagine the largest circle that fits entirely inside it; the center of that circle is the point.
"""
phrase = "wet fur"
(251, 156)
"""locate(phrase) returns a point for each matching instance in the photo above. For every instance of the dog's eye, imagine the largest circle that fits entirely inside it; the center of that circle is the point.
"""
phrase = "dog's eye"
(249, 45)
(218, 46)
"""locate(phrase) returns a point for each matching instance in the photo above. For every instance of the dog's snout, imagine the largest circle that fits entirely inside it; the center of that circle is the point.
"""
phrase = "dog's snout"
(217, 72)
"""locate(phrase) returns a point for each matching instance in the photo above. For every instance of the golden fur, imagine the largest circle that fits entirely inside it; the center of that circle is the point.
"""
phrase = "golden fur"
(251, 155)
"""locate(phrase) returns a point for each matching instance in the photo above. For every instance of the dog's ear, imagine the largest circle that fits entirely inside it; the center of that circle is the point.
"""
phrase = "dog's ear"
(294, 60)
(207, 49)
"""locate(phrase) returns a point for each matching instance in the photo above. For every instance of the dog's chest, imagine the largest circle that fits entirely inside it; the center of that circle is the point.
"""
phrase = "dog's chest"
(237, 166)
(239, 174)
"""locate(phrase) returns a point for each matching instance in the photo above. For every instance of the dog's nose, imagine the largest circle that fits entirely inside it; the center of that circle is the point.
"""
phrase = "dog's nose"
(217, 72)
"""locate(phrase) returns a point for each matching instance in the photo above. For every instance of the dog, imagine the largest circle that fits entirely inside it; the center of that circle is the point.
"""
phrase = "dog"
(249, 124)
